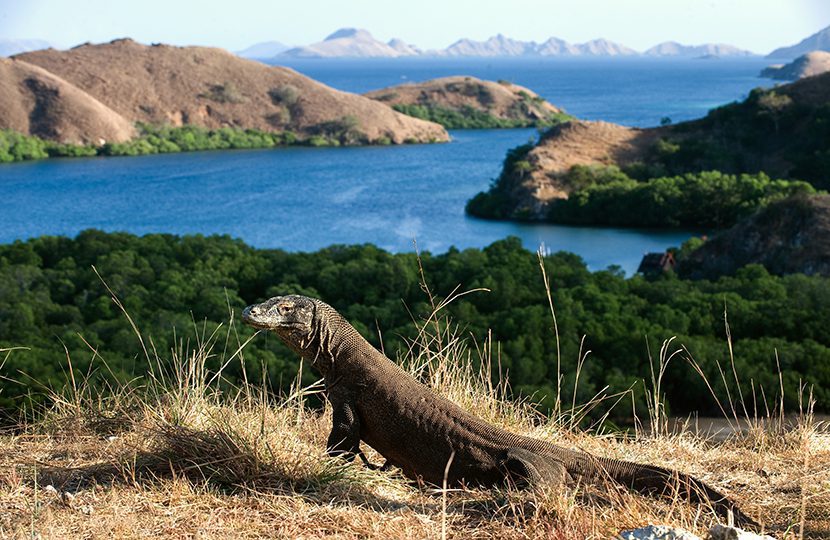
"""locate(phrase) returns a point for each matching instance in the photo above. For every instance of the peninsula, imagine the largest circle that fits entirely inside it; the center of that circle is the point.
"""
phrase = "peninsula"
(582, 172)
(806, 65)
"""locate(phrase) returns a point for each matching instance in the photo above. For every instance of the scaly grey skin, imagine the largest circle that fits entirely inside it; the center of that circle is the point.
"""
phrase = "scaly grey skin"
(375, 401)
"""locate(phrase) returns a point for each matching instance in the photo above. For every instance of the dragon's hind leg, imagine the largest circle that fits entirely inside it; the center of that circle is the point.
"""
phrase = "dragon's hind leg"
(524, 468)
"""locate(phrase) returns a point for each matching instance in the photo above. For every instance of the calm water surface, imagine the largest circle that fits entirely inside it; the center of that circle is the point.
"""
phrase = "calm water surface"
(629, 91)
(299, 199)
(303, 199)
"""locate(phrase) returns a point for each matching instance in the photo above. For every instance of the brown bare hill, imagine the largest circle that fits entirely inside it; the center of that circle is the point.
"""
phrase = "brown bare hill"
(35, 102)
(533, 175)
(583, 143)
(806, 65)
(501, 100)
(787, 237)
(213, 88)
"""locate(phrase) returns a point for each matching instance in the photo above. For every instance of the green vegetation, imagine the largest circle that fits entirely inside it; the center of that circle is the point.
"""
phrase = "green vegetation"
(600, 195)
(470, 118)
(526, 111)
(224, 93)
(17, 147)
(607, 196)
(771, 131)
(167, 139)
(495, 203)
(163, 140)
(336, 132)
(287, 97)
(50, 298)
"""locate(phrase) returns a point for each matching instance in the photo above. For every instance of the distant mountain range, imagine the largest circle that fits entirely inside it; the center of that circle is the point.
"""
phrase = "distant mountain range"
(673, 48)
(358, 43)
(355, 43)
(501, 45)
(266, 49)
(820, 41)
(9, 47)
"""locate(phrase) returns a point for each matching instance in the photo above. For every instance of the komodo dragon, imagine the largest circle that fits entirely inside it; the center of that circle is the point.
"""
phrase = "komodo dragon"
(376, 401)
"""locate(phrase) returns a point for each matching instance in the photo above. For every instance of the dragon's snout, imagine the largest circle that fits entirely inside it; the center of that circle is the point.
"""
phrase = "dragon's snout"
(252, 314)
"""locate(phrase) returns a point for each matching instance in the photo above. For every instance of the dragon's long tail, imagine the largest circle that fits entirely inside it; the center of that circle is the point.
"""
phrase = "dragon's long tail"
(659, 481)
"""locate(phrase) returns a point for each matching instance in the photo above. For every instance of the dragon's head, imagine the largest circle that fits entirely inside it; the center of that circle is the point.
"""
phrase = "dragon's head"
(295, 320)
(293, 314)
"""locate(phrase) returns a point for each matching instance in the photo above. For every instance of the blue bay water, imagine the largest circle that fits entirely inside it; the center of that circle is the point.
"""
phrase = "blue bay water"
(303, 199)
(629, 91)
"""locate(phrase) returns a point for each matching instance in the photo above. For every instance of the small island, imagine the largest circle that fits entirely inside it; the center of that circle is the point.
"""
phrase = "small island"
(470, 103)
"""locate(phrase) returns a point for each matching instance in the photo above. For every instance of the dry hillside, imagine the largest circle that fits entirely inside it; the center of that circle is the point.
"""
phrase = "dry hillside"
(806, 65)
(575, 143)
(501, 100)
(35, 102)
(791, 236)
(209, 87)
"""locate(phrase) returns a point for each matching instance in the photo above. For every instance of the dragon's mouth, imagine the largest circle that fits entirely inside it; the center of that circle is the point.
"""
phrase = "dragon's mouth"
(260, 325)
(270, 324)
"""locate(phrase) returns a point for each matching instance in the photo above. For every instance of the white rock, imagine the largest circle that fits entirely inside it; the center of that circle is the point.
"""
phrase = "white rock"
(657, 532)
(722, 532)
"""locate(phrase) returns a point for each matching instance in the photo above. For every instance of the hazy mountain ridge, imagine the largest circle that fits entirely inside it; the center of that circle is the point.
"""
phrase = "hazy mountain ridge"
(359, 43)
(352, 42)
(9, 47)
(820, 41)
(266, 49)
(673, 48)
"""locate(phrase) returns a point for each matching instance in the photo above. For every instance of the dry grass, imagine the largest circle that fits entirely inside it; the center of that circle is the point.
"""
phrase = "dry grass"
(178, 458)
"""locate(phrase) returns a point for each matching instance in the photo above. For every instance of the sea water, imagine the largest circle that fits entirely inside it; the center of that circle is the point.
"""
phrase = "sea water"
(302, 199)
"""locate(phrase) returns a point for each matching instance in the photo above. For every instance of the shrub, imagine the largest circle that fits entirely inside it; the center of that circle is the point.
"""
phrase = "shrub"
(17, 147)
(224, 93)
(286, 95)
(709, 199)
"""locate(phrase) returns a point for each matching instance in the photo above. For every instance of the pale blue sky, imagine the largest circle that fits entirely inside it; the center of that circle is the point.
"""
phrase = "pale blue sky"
(758, 25)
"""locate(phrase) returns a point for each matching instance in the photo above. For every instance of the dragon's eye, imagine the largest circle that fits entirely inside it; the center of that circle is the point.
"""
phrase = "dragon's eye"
(285, 309)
